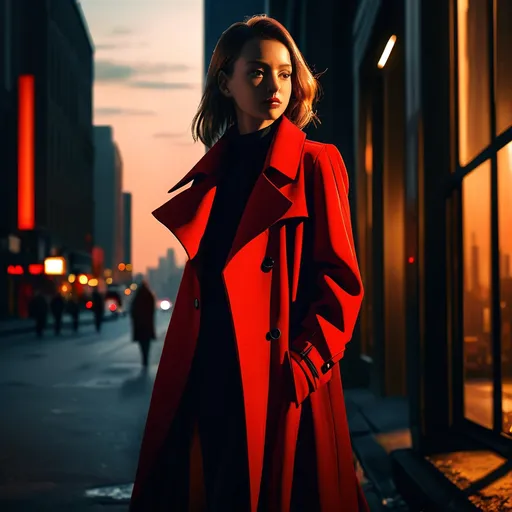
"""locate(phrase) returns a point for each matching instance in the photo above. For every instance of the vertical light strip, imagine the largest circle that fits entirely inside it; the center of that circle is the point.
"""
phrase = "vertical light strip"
(26, 199)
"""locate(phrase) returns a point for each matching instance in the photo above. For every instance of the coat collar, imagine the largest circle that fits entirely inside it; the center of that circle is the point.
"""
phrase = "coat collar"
(285, 154)
(275, 196)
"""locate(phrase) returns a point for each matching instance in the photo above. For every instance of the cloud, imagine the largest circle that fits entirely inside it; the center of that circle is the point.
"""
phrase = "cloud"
(107, 71)
(111, 71)
(121, 31)
(169, 135)
(119, 46)
(106, 46)
(119, 111)
(141, 84)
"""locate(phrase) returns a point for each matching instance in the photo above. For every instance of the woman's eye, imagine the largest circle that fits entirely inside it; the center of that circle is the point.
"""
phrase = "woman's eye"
(257, 73)
(286, 75)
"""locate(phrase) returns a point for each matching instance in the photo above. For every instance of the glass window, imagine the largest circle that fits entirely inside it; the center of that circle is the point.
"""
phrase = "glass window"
(478, 383)
(503, 64)
(474, 114)
(505, 245)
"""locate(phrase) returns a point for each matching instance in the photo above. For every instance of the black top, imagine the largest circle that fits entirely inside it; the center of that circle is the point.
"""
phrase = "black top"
(216, 357)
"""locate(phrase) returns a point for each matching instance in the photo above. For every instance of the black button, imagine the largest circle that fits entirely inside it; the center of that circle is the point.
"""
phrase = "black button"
(327, 366)
(196, 303)
(273, 334)
(268, 264)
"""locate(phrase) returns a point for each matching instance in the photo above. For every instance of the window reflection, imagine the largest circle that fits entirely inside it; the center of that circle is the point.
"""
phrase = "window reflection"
(478, 385)
(474, 115)
(505, 244)
(503, 64)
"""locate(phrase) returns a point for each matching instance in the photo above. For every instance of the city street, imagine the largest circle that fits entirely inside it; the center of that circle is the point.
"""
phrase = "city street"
(73, 410)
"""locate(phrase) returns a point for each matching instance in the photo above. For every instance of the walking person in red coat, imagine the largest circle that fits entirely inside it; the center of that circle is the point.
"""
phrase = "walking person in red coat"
(247, 412)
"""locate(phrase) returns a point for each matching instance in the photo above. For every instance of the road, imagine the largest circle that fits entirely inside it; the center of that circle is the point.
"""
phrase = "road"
(73, 410)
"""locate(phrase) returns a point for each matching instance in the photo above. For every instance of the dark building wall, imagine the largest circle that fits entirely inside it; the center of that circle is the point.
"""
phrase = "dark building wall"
(108, 218)
(69, 71)
(127, 229)
(56, 49)
(49, 40)
(323, 32)
(220, 14)
(7, 147)
(8, 106)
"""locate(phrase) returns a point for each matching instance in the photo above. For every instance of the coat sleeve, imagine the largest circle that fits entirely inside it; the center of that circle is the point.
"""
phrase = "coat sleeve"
(337, 290)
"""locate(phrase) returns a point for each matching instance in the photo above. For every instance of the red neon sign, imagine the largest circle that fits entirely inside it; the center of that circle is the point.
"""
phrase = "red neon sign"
(26, 200)
(15, 270)
(36, 268)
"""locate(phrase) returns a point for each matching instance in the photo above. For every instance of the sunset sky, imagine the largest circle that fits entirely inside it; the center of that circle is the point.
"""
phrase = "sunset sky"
(148, 74)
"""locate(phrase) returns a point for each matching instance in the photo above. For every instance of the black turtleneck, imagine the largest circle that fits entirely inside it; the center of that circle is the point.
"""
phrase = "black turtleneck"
(216, 355)
(244, 163)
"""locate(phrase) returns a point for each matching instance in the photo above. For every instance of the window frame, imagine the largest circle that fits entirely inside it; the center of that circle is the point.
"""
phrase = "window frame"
(496, 436)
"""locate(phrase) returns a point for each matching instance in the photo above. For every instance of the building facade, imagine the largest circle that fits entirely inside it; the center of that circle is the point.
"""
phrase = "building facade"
(108, 196)
(127, 236)
(220, 14)
(417, 97)
(434, 218)
(323, 32)
(46, 104)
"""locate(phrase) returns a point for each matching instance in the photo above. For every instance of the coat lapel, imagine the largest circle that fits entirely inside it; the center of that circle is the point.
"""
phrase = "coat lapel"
(274, 197)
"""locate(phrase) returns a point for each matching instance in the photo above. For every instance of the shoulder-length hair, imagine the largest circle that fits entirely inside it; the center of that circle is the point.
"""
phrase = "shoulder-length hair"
(216, 113)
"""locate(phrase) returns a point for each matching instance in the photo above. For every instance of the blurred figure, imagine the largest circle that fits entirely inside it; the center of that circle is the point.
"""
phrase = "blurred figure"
(38, 310)
(57, 305)
(143, 320)
(98, 309)
(74, 311)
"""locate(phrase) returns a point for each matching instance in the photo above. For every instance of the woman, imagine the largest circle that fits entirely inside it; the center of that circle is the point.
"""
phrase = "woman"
(248, 395)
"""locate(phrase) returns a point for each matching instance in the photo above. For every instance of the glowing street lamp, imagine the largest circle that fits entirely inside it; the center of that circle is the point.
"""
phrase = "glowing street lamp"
(387, 52)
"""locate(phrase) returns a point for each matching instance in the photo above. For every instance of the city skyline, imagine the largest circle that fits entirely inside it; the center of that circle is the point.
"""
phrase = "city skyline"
(148, 75)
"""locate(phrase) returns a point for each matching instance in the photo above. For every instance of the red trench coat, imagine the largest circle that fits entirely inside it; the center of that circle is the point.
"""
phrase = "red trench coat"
(294, 292)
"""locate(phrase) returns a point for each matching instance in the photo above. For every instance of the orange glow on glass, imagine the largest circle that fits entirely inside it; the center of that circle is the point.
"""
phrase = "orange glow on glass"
(26, 199)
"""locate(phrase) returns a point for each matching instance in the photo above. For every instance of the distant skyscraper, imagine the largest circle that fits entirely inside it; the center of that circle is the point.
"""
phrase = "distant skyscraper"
(127, 228)
(108, 215)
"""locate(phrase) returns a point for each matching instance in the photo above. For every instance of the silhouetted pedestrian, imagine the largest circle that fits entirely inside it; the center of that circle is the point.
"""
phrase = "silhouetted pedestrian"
(73, 308)
(98, 309)
(143, 320)
(57, 305)
(38, 310)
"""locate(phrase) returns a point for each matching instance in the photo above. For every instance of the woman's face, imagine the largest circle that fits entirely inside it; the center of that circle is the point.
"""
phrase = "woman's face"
(261, 84)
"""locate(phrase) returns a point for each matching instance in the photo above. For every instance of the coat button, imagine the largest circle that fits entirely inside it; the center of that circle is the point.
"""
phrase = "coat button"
(196, 303)
(273, 334)
(327, 366)
(268, 264)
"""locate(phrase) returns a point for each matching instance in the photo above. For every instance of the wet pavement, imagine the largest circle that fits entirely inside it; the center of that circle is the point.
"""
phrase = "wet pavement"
(484, 476)
(74, 409)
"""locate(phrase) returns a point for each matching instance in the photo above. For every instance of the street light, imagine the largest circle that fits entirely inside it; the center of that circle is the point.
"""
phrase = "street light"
(387, 52)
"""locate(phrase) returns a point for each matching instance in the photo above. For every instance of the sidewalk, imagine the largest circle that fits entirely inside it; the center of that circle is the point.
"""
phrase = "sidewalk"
(26, 325)
(378, 426)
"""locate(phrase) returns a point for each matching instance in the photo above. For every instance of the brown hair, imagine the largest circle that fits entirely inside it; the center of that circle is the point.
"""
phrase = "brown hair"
(216, 113)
